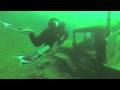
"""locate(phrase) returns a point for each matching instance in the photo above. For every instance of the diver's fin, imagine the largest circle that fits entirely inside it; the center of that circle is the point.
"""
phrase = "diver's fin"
(27, 58)
(12, 27)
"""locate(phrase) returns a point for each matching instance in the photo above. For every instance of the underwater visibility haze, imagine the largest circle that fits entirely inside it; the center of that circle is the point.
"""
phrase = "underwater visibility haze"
(65, 62)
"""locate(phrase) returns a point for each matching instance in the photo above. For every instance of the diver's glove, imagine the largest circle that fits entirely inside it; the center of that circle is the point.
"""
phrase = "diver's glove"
(27, 31)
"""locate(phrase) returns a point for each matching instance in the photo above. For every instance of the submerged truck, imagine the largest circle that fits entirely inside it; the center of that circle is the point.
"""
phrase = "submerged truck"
(106, 49)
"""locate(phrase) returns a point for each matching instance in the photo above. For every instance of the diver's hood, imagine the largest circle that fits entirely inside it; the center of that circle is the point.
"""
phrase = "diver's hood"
(55, 23)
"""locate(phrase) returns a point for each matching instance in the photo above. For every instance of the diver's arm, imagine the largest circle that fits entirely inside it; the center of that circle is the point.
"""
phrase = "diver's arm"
(66, 34)
(58, 41)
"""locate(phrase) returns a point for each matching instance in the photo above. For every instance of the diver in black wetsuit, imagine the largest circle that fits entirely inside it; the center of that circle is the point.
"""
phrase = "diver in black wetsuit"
(48, 37)
(51, 34)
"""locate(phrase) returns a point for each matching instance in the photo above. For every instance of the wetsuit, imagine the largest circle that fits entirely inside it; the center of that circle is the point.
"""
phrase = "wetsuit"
(48, 37)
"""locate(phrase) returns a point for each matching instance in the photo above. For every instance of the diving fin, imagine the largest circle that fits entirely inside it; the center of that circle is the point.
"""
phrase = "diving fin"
(12, 27)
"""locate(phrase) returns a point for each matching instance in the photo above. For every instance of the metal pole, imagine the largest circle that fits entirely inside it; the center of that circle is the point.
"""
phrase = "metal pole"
(108, 23)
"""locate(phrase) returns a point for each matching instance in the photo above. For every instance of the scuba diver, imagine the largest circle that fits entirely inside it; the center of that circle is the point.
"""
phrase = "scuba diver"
(53, 33)
(49, 35)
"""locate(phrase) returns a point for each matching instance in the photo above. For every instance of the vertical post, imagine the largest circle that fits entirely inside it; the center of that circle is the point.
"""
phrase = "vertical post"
(74, 40)
(108, 24)
(85, 36)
